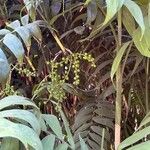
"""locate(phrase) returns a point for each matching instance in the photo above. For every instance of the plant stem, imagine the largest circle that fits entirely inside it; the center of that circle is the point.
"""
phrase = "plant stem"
(146, 86)
(53, 33)
(118, 88)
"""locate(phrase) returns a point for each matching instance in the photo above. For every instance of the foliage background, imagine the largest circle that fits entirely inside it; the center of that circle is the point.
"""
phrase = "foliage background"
(88, 60)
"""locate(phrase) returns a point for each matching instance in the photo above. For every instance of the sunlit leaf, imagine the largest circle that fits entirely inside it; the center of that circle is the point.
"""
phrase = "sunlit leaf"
(4, 67)
(16, 100)
(22, 115)
(15, 46)
(25, 20)
(141, 146)
(48, 142)
(134, 138)
(15, 24)
(128, 22)
(136, 13)
(112, 9)
(4, 31)
(25, 134)
(54, 124)
(149, 13)
(143, 45)
(25, 35)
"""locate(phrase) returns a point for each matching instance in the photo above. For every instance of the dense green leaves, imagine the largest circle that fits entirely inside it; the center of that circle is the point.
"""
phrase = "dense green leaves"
(93, 119)
(12, 41)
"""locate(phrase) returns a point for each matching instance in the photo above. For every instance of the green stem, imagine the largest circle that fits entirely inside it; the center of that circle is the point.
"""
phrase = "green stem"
(146, 86)
(118, 88)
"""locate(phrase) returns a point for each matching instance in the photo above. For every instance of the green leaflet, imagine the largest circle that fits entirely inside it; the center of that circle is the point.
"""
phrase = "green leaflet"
(16, 100)
(25, 20)
(9, 144)
(136, 13)
(54, 124)
(15, 24)
(24, 133)
(15, 46)
(35, 31)
(141, 146)
(30, 6)
(112, 8)
(4, 32)
(4, 67)
(63, 146)
(22, 115)
(143, 45)
(24, 33)
(67, 128)
(48, 142)
(134, 138)
(82, 144)
(129, 21)
(118, 58)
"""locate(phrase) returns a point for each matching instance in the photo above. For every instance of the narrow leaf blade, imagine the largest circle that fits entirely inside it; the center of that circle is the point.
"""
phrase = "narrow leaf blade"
(118, 58)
